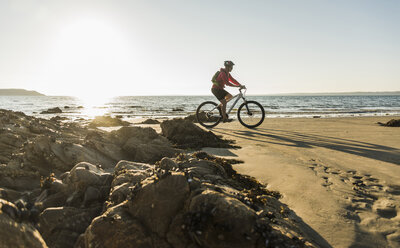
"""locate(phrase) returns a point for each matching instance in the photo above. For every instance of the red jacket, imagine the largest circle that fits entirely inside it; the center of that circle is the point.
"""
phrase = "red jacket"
(225, 78)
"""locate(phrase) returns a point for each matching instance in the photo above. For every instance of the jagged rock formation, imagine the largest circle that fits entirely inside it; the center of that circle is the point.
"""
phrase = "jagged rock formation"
(187, 135)
(190, 202)
(72, 186)
(33, 147)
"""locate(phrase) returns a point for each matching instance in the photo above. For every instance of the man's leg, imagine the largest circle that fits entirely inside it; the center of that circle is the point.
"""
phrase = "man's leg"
(223, 109)
(223, 105)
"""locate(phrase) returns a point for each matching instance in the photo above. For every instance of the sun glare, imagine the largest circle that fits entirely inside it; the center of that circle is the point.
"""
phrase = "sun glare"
(89, 58)
(94, 106)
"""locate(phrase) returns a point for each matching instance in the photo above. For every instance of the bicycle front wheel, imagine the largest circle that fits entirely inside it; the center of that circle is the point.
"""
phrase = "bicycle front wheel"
(251, 114)
(208, 114)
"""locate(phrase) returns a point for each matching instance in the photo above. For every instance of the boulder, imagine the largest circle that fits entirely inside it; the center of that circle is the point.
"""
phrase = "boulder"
(155, 204)
(116, 228)
(127, 175)
(150, 121)
(177, 109)
(14, 233)
(185, 134)
(61, 226)
(391, 123)
(143, 144)
(55, 110)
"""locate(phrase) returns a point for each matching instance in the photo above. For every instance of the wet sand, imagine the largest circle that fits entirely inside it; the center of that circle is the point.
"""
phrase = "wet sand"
(340, 175)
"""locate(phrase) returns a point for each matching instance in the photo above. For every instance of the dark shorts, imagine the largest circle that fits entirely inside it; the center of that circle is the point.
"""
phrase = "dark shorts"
(219, 93)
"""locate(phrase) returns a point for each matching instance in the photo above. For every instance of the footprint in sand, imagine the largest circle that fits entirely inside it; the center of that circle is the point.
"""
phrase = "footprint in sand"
(372, 204)
(393, 189)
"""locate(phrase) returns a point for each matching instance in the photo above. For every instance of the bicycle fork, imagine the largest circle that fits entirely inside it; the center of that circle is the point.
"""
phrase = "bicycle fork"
(247, 107)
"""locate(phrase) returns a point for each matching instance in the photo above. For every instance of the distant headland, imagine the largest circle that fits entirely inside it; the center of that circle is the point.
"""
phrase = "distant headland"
(19, 92)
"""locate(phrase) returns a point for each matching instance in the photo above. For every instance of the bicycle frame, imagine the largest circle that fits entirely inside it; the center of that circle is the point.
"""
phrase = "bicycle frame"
(238, 96)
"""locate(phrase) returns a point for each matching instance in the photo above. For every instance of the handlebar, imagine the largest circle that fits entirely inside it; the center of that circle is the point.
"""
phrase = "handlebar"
(242, 88)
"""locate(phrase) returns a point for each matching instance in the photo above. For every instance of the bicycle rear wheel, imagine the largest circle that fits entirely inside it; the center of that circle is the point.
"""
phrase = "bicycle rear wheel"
(208, 114)
(251, 114)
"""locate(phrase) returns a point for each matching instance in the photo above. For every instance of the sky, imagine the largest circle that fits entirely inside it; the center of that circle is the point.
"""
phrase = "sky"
(158, 47)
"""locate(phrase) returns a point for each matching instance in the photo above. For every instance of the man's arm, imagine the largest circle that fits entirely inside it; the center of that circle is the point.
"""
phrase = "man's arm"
(232, 82)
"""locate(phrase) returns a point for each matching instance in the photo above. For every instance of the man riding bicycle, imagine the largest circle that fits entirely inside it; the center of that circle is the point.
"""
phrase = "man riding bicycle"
(220, 79)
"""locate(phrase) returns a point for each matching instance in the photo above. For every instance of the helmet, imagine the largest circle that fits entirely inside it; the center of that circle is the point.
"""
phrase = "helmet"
(228, 63)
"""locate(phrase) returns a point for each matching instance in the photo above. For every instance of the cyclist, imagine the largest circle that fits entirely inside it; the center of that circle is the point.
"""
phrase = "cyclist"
(219, 81)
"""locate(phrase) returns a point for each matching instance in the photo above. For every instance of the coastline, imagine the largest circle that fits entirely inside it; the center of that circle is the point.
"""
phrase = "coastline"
(340, 175)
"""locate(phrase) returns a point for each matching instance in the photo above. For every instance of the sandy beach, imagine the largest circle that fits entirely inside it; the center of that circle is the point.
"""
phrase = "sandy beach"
(340, 175)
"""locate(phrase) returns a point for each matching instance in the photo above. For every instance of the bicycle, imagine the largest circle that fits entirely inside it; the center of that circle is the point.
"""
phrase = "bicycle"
(250, 113)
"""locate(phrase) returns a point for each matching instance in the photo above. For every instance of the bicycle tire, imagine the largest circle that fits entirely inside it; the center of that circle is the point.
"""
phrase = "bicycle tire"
(242, 120)
(212, 120)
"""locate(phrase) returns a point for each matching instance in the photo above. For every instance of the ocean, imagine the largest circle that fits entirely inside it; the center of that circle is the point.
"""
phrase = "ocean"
(129, 107)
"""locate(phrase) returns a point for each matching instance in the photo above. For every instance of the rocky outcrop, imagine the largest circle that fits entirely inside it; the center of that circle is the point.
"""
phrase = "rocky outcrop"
(68, 205)
(107, 121)
(33, 147)
(185, 134)
(83, 187)
(191, 202)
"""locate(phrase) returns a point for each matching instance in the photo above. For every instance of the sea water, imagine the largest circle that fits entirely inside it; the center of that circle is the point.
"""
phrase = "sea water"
(177, 106)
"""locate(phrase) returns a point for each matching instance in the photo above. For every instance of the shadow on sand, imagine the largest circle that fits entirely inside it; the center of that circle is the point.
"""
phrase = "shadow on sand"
(297, 139)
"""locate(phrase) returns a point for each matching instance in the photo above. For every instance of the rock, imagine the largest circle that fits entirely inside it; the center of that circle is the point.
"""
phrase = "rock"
(92, 194)
(177, 109)
(18, 178)
(150, 121)
(55, 110)
(88, 188)
(193, 117)
(58, 118)
(61, 226)
(166, 164)
(126, 176)
(14, 233)
(84, 175)
(70, 204)
(391, 123)
(185, 134)
(107, 121)
(143, 144)
(124, 166)
(10, 194)
(212, 214)
(116, 228)
(188, 207)
(150, 201)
